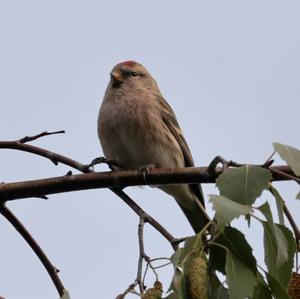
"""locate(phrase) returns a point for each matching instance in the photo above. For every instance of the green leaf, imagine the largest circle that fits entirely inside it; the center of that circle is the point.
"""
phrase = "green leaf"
(178, 284)
(265, 209)
(66, 295)
(289, 154)
(298, 196)
(244, 184)
(261, 289)
(176, 257)
(172, 296)
(235, 241)
(279, 204)
(227, 210)
(277, 290)
(240, 279)
(191, 244)
(216, 290)
(280, 247)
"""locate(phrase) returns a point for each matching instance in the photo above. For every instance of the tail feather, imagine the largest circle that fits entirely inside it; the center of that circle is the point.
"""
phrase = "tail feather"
(195, 212)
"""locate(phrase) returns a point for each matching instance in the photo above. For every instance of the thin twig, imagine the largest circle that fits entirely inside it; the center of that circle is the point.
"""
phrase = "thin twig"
(34, 137)
(284, 175)
(141, 213)
(270, 157)
(141, 254)
(160, 259)
(15, 222)
(130, 289)
(57, 158)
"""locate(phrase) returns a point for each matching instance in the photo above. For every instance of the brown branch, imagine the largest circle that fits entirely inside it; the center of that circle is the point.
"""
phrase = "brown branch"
(284, 175)
(147, 218)
(52, 156)
(141, 255)
(57, 158)
(293, 225)
(111, 179)
(34, 137)
(52, 271)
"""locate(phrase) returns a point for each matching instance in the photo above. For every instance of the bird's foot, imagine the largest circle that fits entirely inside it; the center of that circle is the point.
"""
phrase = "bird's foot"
(100, 160)
(145, 169)
(212, 167)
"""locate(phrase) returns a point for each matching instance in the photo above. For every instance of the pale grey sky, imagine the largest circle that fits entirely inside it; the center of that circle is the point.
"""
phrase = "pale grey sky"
(230, 70)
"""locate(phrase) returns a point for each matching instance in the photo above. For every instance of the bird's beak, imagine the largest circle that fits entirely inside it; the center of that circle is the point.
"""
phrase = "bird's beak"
(117, 77)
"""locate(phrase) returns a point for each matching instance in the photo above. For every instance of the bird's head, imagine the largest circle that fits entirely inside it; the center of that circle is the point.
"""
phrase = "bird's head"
(131, 75)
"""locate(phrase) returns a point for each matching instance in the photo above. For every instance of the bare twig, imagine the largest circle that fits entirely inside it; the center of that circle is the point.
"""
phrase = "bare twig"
(130, 289)
(12, 219)
(52, 156)
(140, 212)
(45, 133)
(141, 255)
(57, 158)
(284, 175)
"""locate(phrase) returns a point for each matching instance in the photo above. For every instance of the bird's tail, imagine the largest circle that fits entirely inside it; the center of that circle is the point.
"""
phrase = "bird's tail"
(195, 216)
(195, 211)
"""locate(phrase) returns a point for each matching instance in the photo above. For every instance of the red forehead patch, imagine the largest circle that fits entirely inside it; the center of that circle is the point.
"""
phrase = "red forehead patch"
(129, 63)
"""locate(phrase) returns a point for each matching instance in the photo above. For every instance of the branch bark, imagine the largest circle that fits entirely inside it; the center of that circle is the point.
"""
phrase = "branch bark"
(113, 179)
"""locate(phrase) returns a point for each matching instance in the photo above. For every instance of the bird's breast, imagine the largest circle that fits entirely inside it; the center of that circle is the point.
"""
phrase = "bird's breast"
(132, 133)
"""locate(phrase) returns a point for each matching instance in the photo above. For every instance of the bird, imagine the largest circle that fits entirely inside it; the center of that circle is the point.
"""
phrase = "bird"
(137, 127)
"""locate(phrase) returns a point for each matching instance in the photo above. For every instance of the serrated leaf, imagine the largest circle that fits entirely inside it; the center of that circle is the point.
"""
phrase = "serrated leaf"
(227, 210)
(240, 279)
(289, 154)
(265, 209)
(279, 204)
(261, 290)
(235, 241)
(66, 295)
(244, 184)
(280, 247)
(277, 290)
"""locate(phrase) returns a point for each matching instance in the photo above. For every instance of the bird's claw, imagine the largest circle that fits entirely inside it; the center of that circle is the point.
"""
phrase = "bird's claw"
(145, 169)
(212, 167)
(100, 160)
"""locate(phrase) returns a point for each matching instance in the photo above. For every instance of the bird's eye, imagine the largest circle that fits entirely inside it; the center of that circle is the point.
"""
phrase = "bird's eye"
(134, 74)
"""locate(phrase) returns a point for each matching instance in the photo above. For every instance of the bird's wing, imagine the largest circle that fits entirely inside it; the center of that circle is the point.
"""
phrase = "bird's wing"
(171, 122)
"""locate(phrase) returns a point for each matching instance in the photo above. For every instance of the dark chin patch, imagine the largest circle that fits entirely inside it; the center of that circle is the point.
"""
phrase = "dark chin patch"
(116, 84)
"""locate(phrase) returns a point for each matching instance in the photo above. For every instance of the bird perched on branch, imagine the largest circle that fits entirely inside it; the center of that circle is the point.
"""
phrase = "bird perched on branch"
(137, 127)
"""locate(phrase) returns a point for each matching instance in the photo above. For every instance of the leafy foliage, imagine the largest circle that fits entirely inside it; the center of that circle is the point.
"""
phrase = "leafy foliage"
(225, 249)
(227, 210)
(244, 184)
(289, 154)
